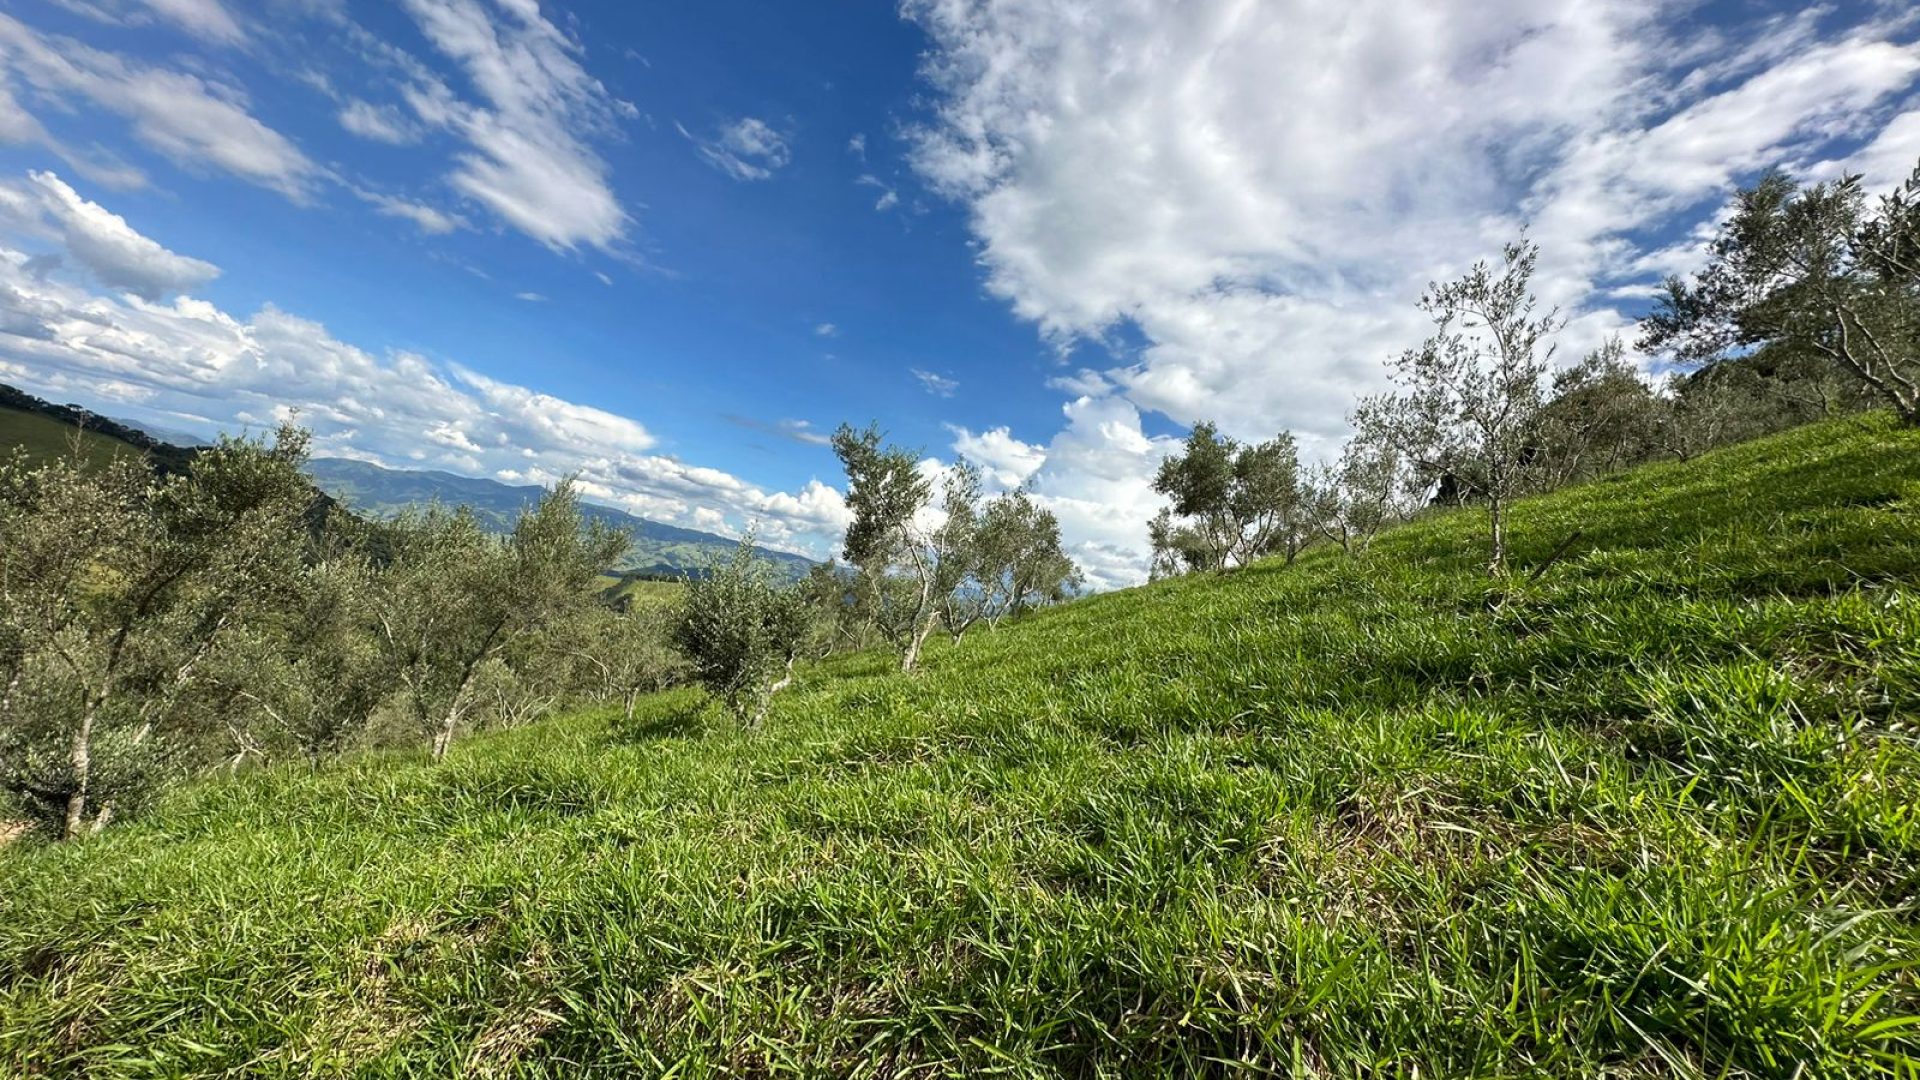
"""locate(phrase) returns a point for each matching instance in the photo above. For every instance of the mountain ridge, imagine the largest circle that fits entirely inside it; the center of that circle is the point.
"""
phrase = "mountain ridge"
(658, 548)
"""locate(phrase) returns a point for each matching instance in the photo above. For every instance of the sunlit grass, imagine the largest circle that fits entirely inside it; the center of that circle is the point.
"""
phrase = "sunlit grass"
(1652, 814)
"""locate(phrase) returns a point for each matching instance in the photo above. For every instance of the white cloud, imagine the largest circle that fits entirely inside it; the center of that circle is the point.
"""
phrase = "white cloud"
(936, 384)
(206, 19)
(428, 219)
(530, 297)
(200, 125)
(1005, 461)
(889, 198)
(187, 357)
(114, 252)
(746, 149)
(1888, 161)
(381, 123)
(1259, 192)
(857, 146)
(826, 329)
(530, 158)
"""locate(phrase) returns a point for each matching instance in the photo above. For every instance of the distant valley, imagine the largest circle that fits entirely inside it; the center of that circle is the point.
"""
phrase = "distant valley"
(374, 491)
(658, 548)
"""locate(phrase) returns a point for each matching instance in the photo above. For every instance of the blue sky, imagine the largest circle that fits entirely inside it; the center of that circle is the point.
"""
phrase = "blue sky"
(668, 246)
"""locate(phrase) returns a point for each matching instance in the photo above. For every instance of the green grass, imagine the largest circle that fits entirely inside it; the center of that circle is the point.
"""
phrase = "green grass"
(1651, 815)
(643, 594)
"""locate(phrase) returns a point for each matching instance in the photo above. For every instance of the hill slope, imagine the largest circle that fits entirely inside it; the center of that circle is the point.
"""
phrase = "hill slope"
(657, 548)
(1653, 814)
(46, 430)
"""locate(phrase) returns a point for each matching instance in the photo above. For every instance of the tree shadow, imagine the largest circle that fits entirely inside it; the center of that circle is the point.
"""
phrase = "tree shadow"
(683, 720)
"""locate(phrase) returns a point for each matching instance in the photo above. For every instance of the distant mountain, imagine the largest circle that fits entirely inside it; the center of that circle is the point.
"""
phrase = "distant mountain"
(658, 548)
(165, 435)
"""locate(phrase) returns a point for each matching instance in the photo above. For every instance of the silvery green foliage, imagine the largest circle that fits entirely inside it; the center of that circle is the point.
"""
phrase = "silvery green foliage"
(122, 594)
(454, 599)
(1231, 503)
(1812, 272)
(741, 634)
(1472, 392)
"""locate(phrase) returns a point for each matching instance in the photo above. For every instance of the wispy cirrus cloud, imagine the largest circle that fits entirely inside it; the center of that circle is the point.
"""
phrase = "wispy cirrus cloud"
(199, 124)
(935, 383)
(530, 123)
(745, 149)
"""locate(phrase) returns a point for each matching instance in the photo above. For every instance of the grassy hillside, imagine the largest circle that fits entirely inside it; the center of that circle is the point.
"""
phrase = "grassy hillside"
(47, 430)
(1651, 815)
(46, 437)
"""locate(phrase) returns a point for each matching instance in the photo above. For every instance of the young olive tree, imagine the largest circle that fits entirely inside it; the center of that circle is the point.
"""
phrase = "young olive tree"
(118, 592)
(906, 569)
(309, 676)
(741, 634)
(1020, 561)
(454, 599)
(1471, 394)
(1600, 418)
(620, 653)
(1351, 499)
(1814, 271)
(1231, 503)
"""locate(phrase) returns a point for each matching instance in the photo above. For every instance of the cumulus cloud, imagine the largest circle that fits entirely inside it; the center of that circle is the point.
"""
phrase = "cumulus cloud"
(1005, 462)
(187, 357)
(530, 158)
(98, 239)
(746, 149)
(1250, 197)
(198, 124)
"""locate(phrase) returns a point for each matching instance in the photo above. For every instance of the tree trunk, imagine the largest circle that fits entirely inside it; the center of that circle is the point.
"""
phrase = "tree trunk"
(633, 699)
(82, 759)
(914, 641)
(1497, 520)
(443, 738)
(766, 698)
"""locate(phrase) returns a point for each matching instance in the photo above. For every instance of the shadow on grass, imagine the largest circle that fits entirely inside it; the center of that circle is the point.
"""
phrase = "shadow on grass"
(684, 719)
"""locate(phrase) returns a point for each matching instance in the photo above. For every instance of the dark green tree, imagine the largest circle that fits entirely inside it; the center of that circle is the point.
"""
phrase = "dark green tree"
(1808, 272)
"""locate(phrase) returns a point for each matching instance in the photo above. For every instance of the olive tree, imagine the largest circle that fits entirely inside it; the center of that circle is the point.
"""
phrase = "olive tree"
(1232, 503)
(308, 676)
(899, 558)
(741, 634)
(1020, 561)
(1471, 394)
(119, 590)
(1816, 271)
(1600, 417)
(454, 599)
(1349, 500)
